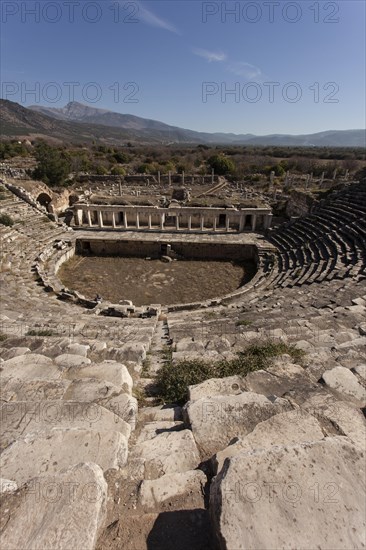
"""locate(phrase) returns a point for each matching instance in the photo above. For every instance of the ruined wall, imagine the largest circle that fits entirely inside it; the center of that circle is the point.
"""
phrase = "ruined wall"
(141, 249)
(300, 204)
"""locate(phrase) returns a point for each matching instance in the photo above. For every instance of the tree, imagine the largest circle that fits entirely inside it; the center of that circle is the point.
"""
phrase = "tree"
(53, 166)
(221, 164)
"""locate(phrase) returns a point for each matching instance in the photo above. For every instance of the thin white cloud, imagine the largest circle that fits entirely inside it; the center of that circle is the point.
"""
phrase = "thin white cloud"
(246, 70)
(210, 56)
(148, 17)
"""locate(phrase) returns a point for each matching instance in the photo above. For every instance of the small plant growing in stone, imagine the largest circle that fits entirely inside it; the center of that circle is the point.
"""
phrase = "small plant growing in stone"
(6, 220)
(173, 379)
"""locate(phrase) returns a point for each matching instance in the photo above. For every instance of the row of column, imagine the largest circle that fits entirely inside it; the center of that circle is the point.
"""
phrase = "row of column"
(136, 225)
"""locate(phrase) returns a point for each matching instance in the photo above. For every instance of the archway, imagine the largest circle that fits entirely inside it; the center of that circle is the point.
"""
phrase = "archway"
(44, 199)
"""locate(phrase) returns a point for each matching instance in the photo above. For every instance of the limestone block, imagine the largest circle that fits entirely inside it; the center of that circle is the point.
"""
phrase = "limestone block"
(309, 495)
(7, 486)
(48, 453)
(69, 360)
(165, 413)
(282, 429)
(187, 344)
(23, 417)
(361, 371)
(78, 349)
(168, 452)
(14, 352)
(231, 385)
(30, 367)
(14, 389)
(189, 485)
(345, 383)
(62, 511)
(215, 421)
(113, 372)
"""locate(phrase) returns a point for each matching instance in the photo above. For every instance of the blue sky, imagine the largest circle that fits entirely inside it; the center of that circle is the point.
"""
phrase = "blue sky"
(258, 67)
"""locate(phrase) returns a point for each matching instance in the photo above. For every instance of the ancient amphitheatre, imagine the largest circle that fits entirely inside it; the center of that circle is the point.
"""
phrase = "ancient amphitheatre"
(94, 454)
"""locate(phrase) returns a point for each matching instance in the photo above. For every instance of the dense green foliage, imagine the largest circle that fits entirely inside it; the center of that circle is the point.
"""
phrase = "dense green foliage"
(173, 379)
(221, 164)
(53, 165)
(10, 149)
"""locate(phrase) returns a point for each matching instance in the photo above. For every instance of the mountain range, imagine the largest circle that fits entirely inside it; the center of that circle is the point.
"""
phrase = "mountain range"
(77, 123)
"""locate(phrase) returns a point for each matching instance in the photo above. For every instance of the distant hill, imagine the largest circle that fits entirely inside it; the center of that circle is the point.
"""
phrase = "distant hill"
(78, 122)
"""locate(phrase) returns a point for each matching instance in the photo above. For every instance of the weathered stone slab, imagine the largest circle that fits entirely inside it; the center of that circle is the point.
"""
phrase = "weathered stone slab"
(278, 380)
(7, 486)
(135, 352)
(343, 381)
(23, 417)
(48, 453)
(308, 496)
(188, 344)
(63, 511)
(78, 349)
(30, 367)
(37, 390)
(215, 421)
(15, 352)
(168, 453)
(361, 371)
(107, 370)
(231, 385)
(68, 360)
(189, 485)
(344, 417)
(282, 429)
(161, 414)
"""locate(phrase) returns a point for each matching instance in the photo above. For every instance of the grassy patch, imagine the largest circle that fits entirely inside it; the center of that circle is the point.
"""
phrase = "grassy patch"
(173, 380)
(5, 219)
(3, 337)
(40, 333)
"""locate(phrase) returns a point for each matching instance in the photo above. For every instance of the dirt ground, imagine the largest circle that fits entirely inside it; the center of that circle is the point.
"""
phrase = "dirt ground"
(153, 281)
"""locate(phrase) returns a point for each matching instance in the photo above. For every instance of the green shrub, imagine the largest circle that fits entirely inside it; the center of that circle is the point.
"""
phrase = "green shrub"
(40, 333)
(3, 337)
(173, 380)
(5, 219)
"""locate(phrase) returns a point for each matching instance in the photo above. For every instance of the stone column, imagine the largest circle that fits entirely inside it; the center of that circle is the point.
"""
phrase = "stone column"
(213, 176)
(100, 218)
(149, 221)
(183, 177)
(177, 222)
(202, 223)
(170, 178)
(137, 220)
(215, 223)
(78, 217)
(241, 223)
(125, 220)
(254, 221)
(159, 177)
(114, 220)
(189, 223)
(162, 220)
(88, 215)
(227, 222)
(268, 221)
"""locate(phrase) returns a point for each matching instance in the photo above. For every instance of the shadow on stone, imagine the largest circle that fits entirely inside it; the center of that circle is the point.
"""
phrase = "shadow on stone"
(180, 530)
